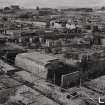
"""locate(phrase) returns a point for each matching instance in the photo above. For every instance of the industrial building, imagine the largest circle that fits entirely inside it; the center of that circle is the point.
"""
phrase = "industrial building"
(47, 67)
(34, 62)
(9, 51)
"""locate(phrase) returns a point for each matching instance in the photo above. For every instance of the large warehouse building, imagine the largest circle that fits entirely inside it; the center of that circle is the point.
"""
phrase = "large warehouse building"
(45, 66)
(34, 63)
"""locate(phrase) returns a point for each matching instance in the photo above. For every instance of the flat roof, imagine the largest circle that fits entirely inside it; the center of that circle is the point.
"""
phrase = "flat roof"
(12, 46)
(38, 57)
(97, 84)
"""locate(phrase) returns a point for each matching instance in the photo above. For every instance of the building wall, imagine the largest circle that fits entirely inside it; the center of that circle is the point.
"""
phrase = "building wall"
(103, 41)
(70, 80)
(31, 66)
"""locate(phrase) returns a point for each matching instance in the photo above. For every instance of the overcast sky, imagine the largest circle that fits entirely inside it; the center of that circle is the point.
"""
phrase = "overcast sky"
(53, 3)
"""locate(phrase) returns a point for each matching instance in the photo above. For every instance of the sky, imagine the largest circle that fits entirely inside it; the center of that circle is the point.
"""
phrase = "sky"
(53, 3)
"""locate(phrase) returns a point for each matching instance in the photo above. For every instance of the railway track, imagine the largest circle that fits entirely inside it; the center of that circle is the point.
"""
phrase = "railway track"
(36, 88)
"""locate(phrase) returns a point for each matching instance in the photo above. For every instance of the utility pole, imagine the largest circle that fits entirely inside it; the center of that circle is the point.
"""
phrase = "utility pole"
(54, 78)
(80, 85)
